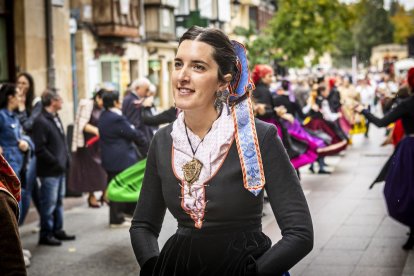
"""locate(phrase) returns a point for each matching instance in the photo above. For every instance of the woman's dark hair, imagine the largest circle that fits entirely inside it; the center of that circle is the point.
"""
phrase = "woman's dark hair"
(6, 90)
(30, 91)
(223, 54)
(285, 85)
(109, 98)
(321, 89)
(403, 92)
(98, 93)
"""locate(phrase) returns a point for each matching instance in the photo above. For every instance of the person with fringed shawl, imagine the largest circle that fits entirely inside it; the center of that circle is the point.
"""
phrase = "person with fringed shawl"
(11, 254)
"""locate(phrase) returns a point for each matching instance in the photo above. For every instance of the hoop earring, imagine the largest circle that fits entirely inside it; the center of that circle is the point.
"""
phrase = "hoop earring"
(221, 98)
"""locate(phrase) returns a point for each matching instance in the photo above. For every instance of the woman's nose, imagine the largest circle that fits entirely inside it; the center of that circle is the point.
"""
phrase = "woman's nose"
(183, 74)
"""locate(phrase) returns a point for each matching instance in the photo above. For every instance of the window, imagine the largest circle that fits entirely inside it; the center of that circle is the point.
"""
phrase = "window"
(183, 8)
(206, 9)
(110, 72)
(106, 67)
(133, 69)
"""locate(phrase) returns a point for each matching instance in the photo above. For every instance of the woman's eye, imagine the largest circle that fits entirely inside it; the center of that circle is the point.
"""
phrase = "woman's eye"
(177, 64)
(199, 67)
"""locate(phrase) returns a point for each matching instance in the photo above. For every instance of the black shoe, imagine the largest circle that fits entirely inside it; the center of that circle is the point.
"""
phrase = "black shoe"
(61, 235)
(323, 172)
(49, 240)
(311, 169)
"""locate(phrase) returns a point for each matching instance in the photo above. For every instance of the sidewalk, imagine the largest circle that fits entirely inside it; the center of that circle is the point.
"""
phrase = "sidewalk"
(353, 234)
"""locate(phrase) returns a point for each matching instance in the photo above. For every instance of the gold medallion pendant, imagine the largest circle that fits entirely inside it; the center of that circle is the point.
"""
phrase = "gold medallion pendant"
(191, 172)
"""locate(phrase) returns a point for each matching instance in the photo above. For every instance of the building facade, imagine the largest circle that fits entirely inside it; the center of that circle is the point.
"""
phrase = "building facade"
(79, 45)
(34, 38)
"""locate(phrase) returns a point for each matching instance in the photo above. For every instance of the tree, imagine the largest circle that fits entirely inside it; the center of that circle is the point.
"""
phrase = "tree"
(302, 25)
(258, 46)
(372, 28)
(403, 22)
(345, 43)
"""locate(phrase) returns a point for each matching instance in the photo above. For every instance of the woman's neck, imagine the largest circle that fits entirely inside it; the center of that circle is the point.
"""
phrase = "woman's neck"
(200, 122)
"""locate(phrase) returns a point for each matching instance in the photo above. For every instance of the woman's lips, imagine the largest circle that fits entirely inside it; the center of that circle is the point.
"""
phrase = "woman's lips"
(185, 91)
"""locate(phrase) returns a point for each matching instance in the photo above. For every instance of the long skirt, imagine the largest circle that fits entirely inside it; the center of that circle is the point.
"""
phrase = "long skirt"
(337, 145)
(296, 130)
(301, 151)
(230, 253)
(86, 173)
(399, 184)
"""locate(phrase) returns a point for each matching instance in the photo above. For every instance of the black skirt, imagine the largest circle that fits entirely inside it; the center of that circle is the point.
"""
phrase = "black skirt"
(223, 252)
(399, 183)
(86, 173)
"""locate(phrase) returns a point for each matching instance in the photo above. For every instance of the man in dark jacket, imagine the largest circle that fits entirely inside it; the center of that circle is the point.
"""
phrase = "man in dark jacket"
(116, 140)
(131, 108)
(52, 163)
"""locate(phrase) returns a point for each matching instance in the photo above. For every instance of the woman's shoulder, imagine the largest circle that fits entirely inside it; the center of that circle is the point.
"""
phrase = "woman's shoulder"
(262, 128)
(85, 101)
(85, 104)
(164, 132)
(260, 88)
(409, 102)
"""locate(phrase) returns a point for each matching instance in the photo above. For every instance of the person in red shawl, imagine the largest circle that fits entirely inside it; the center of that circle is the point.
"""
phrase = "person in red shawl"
(11, 254)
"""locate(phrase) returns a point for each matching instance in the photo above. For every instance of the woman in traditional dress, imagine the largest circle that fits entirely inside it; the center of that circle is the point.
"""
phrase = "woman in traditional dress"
(399, 182)
(301, 151)
(210, 167)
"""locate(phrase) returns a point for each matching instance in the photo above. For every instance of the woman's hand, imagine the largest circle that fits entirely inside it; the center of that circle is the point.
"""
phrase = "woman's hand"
(148, 101)
(288, 117)
(260, 108)
(23, 145)
(91, 129)
(280, 110)
(1, 150)
(359, 108)
(315, 107)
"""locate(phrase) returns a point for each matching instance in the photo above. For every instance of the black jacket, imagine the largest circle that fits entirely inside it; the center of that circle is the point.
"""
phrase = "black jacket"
(227, 205)
(262, 95)
(165, 117)
(116, 140)
(334, 100)
(291, 107)
(50, 146)
(133, 113)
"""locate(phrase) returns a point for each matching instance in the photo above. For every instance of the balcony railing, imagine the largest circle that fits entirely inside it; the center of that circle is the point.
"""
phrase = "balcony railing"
(159, 23)
(116, 17)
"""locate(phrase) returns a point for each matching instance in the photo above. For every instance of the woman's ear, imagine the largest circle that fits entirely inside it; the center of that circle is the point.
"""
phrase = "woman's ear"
(227, 79)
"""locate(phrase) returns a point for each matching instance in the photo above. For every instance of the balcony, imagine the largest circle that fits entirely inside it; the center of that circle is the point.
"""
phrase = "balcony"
(159, 23)
(165, 3)
(116, 18)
